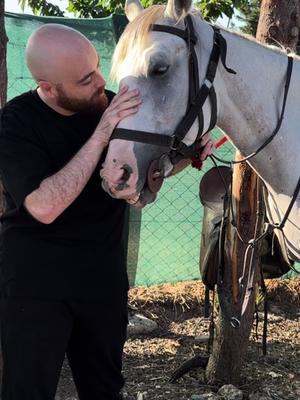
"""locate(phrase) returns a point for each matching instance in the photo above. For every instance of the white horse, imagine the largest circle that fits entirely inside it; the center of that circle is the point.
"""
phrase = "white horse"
(249, 106)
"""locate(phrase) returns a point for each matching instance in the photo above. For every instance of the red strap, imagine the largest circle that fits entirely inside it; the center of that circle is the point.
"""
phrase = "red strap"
(221, 141)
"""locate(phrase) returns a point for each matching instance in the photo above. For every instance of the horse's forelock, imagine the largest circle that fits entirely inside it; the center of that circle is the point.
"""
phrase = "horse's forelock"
(135, 35)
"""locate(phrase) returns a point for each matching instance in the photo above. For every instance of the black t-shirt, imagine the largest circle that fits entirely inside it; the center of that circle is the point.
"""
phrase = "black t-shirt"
(82, 253)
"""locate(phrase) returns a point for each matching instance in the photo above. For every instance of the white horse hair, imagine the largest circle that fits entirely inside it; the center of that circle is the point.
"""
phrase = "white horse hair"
(249, 104)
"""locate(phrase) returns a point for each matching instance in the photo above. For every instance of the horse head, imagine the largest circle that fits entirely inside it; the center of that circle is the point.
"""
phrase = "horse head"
(154, 56)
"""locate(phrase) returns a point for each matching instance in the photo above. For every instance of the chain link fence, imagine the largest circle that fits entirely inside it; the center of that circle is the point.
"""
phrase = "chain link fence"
(164, 243)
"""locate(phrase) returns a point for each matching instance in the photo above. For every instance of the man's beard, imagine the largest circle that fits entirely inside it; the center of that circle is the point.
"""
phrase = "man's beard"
(96, 104)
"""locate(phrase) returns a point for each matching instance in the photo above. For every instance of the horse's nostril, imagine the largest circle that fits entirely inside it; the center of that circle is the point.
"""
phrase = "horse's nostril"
(127, 171)
(125, 175)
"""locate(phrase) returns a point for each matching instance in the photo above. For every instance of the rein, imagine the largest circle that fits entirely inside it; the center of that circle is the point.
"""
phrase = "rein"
(279, 123)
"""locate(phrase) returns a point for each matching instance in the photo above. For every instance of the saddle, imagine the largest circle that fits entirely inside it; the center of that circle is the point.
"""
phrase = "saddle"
(214, 186)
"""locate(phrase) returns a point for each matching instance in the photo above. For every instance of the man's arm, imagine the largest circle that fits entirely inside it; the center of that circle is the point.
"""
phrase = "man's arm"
(58, 191)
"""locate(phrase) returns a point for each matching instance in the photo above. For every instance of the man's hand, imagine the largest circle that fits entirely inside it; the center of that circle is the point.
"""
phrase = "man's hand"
(125, 103)
(207, 146)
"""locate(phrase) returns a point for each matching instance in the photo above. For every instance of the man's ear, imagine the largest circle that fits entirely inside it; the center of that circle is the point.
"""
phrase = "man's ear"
(47, 89)
(132, 9)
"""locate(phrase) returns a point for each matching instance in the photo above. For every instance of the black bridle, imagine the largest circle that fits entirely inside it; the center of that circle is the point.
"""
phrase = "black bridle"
(197, 96)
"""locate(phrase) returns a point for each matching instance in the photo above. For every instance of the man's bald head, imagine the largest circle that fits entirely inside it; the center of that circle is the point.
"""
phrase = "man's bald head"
(53, 49)
(65, 65)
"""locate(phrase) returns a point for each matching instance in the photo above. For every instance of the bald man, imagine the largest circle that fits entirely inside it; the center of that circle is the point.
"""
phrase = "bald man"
(63, 269)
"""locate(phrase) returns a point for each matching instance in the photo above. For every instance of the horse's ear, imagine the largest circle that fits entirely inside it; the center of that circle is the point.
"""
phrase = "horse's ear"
(132, 9)
(178, 7)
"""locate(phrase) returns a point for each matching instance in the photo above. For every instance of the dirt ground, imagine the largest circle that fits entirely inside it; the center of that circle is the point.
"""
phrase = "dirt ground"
(178, 309)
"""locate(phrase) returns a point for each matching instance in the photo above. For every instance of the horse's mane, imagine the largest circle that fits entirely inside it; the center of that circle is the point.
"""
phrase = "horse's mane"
(135, 35)
(277, 49)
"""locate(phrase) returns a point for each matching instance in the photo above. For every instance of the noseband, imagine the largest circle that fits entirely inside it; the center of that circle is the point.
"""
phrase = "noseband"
(197, 96)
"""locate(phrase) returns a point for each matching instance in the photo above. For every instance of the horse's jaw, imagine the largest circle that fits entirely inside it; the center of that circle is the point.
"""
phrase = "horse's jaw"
(143, 199)
(137, 199)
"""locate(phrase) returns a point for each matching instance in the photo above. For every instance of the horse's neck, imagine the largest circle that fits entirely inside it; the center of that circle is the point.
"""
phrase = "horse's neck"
(249, 107)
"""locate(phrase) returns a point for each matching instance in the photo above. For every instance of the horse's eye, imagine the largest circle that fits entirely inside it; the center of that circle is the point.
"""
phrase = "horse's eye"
(160, 70)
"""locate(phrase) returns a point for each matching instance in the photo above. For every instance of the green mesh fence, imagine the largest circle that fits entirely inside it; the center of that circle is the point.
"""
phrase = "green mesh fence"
(164, 238)
(167, 244)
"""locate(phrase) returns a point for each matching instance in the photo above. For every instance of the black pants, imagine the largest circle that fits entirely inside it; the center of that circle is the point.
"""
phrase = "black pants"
(36, 335)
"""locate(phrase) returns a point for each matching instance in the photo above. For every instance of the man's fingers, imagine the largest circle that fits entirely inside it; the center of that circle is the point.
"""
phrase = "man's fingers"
(205, 139)
(119, 108)
(124, 105)
(122, 90)
(208, 149)
(123, 114)
(124, 95)
(128, 104)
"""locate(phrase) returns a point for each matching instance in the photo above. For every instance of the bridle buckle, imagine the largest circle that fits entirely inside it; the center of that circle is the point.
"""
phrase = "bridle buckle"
(174, 143)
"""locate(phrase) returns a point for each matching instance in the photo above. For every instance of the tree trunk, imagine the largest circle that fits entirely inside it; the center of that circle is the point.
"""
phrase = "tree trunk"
(3, 93)
(3, 77)
(3, 69)
(279, 24)
(230, 343)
